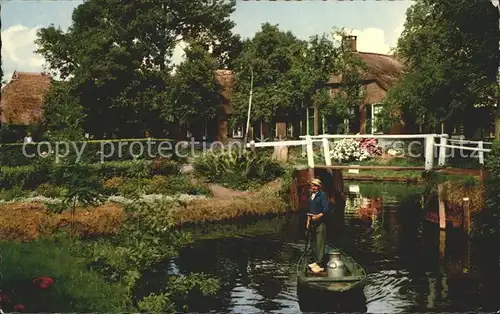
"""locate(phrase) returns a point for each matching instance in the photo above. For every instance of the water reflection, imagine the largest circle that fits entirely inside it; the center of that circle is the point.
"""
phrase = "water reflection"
(410, 265)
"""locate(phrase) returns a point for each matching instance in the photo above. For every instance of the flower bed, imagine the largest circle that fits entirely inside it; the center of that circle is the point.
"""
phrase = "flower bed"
(347, 150)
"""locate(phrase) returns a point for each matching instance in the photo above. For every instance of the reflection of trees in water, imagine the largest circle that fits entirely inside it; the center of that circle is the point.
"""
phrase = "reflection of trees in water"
(400, 252)
(252, 257)
(280, 226)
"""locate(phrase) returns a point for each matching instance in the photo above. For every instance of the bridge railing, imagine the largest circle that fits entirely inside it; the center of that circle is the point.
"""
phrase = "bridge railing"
(308, 140)
(429, 146)
(479, 148)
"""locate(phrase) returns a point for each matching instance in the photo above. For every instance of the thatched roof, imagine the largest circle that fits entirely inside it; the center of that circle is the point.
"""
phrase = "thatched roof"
(23, 97)
(383, 69)
(226, 80)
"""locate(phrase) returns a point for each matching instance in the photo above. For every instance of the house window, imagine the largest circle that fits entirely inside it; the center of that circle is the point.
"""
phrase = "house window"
(289, 130)
(310, 121)
(347, 121)
(361, 92)
(376, 109)
(238, 131)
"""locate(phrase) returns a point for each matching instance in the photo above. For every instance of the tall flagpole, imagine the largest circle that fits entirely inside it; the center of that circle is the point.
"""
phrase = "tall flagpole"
(249, 107)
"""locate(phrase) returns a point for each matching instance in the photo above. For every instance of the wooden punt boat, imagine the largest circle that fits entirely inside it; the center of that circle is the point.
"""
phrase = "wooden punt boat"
(320, 293)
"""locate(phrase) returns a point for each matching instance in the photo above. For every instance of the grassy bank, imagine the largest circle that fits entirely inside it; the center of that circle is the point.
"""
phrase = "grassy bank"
(100, 274)
(75, 287)
(32, 220)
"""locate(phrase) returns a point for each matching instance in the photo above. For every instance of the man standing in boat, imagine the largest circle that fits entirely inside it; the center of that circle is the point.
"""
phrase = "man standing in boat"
(316, 223)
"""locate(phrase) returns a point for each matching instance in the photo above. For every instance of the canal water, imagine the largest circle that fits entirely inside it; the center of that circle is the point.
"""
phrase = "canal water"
(411, 265)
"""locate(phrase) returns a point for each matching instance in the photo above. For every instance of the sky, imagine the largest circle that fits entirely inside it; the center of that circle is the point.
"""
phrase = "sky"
(378, 24)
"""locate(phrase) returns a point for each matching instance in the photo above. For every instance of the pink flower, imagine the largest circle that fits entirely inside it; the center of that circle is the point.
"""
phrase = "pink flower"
(43, 282)
(4, 298)
(19, 308)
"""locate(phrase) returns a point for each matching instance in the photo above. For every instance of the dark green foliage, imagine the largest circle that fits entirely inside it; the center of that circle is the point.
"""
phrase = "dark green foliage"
(147, 238)
(46, 171)
(195, 94)
(50, 190)
(13, 193)
(105, 274)
(490, 217)
(63, 116)
(290, 74)
(238, 170)
(451, 50)
(273, 56)
(25, 176)
(118, 55)
(75, 289)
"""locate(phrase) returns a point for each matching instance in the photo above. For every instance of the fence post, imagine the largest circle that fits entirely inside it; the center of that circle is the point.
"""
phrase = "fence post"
(252, 146)
(429, 151)
(310, 152)
(466, 214)
(442, 207)
(326, 152)
(442, 151)
(481, 153)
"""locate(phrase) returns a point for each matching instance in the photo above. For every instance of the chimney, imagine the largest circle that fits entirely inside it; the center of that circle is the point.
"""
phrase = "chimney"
(350, 42)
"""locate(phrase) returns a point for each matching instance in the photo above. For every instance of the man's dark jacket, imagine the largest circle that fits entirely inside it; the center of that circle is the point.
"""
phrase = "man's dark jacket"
(319, 205)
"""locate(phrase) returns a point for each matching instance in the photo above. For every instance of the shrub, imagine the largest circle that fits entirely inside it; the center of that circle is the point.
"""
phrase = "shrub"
(113, 185)
(237, 170)
(50, 190)
(24, 176)
(490, 217)
(12, 194)
(131, 169)
(183, 185)
(147, 238)
(164, 167)
(156, 185)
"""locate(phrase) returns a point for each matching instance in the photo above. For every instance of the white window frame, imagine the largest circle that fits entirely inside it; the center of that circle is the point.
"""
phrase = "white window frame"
(378, 106)
(289, 127)
(350, 110)
(238, 131)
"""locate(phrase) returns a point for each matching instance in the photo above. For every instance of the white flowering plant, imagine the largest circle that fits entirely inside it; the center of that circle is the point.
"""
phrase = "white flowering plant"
(347, 150)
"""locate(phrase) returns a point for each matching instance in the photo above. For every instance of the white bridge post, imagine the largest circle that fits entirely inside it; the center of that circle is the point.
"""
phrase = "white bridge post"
(442, 150)
(480, 145)
(310, 152)
(429, 152)
(326, 152)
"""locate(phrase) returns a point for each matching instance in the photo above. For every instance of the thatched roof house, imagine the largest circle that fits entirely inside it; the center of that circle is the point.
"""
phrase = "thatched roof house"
(22, 98)
(381, 73)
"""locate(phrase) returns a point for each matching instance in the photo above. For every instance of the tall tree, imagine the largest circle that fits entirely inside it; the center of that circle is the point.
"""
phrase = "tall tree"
(195, 92)
(1, 61)
(117, 55)
(289, 74)
(451, 50)
(270, 55)
(63, 117)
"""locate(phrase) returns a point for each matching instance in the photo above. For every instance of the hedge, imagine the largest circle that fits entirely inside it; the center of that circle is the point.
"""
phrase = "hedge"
(31, 176)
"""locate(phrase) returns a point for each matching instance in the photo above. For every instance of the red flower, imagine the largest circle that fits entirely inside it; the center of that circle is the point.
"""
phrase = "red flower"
(4, 298)
(43, 282)
(19, 308)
